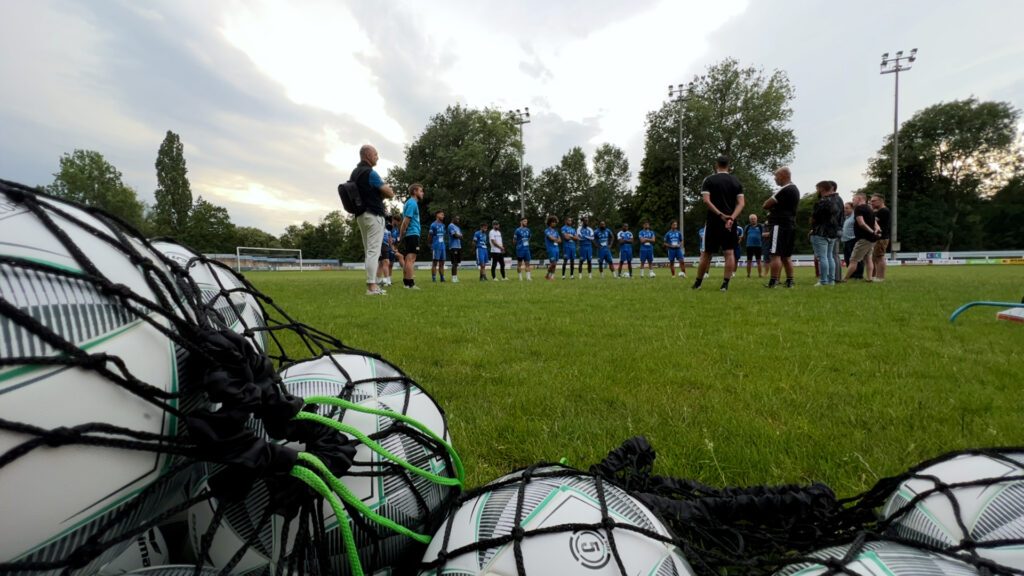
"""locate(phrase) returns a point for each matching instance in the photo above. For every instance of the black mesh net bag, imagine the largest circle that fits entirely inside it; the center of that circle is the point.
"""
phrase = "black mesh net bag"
(144, 422)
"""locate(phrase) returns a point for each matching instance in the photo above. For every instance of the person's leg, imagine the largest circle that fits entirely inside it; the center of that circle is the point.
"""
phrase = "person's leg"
(787, 263)
(837, 273)
(819, 244)
(750, 263)
(702, 268)
(829, 264)
(371, 228)
(869, 265)
(501, 262)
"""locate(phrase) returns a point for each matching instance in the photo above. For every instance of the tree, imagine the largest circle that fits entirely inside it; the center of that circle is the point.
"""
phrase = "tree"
(1002, 217)
(85, 176)
(729, 110)
(611, 183)
(564, 190)
(952, 157)
(468, 162)
(209, 229)
(254, 237)
(173, 192)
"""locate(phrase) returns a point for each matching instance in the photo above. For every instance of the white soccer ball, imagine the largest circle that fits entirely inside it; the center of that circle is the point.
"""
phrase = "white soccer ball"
(174, 570)
(553, 497)
(146, 550)
(53, 498)
(881, 559)
(991, 510)
(237, 311)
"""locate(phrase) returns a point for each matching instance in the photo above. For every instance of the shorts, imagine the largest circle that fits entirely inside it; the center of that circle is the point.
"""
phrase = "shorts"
(455, 254)
(481, 257)
(604, 255)
(626, 254)
(861, 250)
(437, 253)
(569, 251)
(881, 247)
(553, 255)
(385, 253)
(410, 245)
(781, 241)
(675, 254)
(647, 254)
(717, 238)
(753, 252)
(586, 253)
(523, 253)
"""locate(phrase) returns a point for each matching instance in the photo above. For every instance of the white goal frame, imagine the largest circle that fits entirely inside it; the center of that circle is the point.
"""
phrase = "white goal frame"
(238, 254)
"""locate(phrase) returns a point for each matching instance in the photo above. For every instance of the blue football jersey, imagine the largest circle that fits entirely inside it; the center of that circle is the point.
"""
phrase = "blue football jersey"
(480, 239)
(521, 237)
(551, 238)
(646, 235)
(437, 230)
(604, 237)
(674, 238)
(625, 237)
(455, 233)
(571, 232)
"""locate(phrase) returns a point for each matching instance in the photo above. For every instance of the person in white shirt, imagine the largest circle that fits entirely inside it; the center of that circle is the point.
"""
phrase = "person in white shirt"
(497, 249)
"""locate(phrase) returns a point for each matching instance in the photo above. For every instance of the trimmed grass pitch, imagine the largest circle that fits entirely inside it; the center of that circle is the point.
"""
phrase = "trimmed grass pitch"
(840, 385)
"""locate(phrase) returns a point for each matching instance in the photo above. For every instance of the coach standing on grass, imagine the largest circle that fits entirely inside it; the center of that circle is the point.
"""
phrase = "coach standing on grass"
(782, 226)
(373, 191)
(723, 195)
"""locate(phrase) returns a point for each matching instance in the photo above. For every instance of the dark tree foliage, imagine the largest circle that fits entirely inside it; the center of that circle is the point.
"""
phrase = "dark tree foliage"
(85, 176)
(173, 193)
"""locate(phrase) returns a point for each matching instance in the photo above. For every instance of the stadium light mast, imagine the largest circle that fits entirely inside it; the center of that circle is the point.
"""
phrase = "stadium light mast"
(895, 65)
(678, 94)
(521, 117)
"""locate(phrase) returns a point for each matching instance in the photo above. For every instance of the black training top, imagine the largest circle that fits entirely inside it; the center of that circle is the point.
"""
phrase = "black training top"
(869, 219)
(884, 221)
(724, 191)
(372, 202)
(784, 211)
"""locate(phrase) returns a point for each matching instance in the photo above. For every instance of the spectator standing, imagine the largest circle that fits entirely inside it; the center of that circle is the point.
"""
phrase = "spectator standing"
(848, 239)
(866, 231)
(373, 191)
(837, 253)
(782, 227)
(825, 233)
(723, 195)
(753, 236)
(497, 249)
(884, 219)
(455, 247)
(409, 235)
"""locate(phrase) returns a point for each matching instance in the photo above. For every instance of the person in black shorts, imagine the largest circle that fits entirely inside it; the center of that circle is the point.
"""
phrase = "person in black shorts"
(723, 195)
(782, 226)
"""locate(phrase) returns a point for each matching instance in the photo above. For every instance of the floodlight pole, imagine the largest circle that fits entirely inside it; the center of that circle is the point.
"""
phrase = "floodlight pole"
(679, 95)
(520, 118)
(895, 65)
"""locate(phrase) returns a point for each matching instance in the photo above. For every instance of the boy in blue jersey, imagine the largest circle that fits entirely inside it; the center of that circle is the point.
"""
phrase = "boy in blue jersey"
(480, 241)
(625, 240)
(604, 238)
(551, 241)
(586, 248)
(673, 242)
(455, 247)
(568, 247)
(435, 237)
(409, 235)
(521, 239)
(647, 237)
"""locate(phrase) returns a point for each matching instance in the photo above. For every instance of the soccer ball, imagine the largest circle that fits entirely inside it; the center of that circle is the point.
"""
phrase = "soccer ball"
(552, 497)
(53, 499)
(219, 288)
(147, 549)
(993, 509)
(880, 559)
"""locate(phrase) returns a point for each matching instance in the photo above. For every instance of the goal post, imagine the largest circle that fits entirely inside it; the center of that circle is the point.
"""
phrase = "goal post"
(250, 258)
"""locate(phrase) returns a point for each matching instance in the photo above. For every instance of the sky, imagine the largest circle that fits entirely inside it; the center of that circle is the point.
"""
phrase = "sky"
(272, 99)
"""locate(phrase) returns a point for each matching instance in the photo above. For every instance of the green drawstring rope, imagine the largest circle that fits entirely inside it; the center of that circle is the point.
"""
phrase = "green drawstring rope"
(460, 473)
(317, 484)
(354, 501)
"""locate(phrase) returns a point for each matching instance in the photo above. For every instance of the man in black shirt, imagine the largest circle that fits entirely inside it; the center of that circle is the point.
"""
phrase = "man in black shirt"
(782, 226)
(723, 196)
(373, 191)
(866, 231)
(884, 219)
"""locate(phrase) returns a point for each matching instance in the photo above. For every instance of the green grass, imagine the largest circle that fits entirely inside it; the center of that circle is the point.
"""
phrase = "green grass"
(840, 385)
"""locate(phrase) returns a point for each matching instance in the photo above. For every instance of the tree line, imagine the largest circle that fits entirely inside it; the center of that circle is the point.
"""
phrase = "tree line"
(961, 174)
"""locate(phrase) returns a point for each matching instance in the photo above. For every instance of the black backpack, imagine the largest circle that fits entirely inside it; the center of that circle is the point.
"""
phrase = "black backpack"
(351, 198)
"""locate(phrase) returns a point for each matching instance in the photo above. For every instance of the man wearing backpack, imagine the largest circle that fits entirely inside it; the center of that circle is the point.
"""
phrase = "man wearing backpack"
(372, 192)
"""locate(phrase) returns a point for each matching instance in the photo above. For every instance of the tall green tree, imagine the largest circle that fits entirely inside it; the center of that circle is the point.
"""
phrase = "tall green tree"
(739, 111)
(564, 190)
(173, 192)
(254, 237)
(85, 176)
(209, 229)
(1003, 216)
(468, 161)
(611, 183)
(953, 156)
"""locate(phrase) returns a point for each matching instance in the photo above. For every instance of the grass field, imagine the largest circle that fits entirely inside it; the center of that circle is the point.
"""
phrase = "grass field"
(840, 385)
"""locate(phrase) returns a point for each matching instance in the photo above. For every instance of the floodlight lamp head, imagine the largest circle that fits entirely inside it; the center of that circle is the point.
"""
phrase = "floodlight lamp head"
(913, 54)
(527, 111)
(899, 53)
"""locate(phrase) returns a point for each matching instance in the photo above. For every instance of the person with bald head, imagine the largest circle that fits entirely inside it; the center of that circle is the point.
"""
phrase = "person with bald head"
(372, 191)
(782, 226)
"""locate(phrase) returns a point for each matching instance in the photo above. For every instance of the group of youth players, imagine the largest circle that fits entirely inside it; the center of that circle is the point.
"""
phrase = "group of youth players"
(721, 192)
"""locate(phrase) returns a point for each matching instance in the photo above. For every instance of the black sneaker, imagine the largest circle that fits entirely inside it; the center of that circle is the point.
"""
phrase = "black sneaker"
(724, 288)
(696, 284)
(772, 284)
(789, 283)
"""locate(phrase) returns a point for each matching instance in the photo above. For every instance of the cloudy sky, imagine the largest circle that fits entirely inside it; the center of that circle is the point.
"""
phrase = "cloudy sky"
(272, 99)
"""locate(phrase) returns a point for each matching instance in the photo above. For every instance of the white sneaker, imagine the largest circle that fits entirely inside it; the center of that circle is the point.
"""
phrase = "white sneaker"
(413, 287)
(377, 292)
(652, 275)
(682, 274)
(818, 284)
(455, 279)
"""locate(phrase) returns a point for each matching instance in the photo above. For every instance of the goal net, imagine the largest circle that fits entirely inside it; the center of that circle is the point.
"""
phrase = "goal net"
(249, 258)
